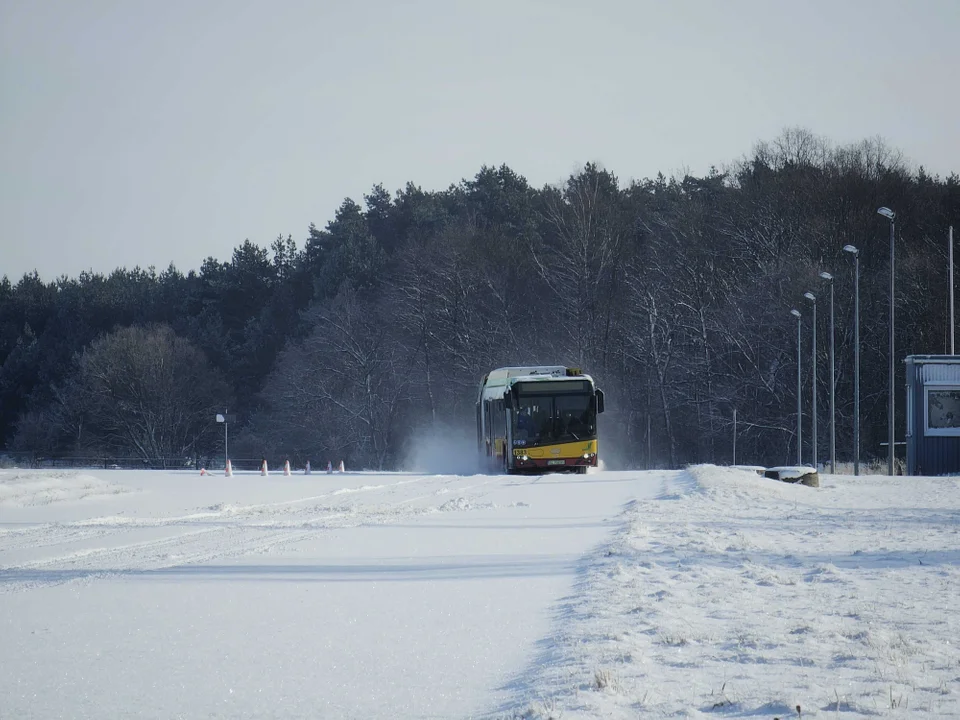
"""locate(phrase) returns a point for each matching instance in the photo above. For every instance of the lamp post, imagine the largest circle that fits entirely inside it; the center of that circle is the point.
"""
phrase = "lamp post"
(813, 374)
(223, 419)
(734, 436)
(950, 275)
(891, 216)
(856, 356)
(796, 314)
(833, 417)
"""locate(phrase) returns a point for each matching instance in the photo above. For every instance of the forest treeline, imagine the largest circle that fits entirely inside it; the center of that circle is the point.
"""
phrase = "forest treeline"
(361, 338)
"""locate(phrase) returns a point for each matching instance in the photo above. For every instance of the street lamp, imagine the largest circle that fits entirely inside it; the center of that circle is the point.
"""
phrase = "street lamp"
(833, 431)
(950, 275)
(813, 373)
(223, 419)
(891, 216)
(796, 314)
(226, 418)
(856, 356)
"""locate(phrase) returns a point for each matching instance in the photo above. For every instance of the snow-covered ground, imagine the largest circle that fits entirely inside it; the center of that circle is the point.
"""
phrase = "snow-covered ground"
(708, 592)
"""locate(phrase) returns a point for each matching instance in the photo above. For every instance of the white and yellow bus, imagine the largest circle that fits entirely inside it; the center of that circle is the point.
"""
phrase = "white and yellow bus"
(538, 419)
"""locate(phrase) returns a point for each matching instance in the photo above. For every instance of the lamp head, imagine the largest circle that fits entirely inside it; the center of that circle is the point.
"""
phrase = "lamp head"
(810, 296)
(826, 276)
(886, 212)
(795, 313)
(851, 249)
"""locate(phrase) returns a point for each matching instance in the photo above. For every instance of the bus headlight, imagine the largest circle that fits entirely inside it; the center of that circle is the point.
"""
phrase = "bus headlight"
(524, 458)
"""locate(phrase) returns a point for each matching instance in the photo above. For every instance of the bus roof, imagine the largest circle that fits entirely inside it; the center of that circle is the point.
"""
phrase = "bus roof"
(497, 380)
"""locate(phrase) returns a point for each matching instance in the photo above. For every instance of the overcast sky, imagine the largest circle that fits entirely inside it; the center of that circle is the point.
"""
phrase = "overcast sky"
(145, 132)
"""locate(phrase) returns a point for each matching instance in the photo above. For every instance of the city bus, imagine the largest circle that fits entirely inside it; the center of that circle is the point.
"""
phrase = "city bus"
(538, 419)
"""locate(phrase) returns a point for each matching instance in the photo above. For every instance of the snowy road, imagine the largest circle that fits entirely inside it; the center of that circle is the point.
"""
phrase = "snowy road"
(703, 593)
(149, 594)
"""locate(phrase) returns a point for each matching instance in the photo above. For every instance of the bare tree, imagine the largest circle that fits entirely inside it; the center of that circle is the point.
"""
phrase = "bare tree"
(580, 260)
(436, 296)
(145, 391)
(340, 391)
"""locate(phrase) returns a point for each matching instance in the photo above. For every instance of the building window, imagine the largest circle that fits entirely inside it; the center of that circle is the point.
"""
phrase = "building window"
(942, 416)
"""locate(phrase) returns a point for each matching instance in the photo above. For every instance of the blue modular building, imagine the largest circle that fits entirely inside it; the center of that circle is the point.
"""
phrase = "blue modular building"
(933, 414)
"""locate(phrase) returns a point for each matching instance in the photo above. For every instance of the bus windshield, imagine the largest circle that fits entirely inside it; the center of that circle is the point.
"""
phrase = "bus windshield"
(543, 418)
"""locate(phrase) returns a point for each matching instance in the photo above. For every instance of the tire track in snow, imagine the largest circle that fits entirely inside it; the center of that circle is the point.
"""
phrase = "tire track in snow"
(223, 532)
(57, 533)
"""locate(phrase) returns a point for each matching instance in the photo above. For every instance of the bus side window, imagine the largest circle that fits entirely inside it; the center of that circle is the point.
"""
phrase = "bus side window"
(488, 422)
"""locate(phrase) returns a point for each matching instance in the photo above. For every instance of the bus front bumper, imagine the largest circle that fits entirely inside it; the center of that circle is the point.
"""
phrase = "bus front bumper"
(525, 462)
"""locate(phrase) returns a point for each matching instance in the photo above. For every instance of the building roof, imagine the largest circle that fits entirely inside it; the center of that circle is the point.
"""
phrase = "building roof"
(941, 359)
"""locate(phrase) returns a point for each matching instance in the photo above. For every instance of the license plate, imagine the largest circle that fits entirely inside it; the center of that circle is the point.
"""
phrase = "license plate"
(556, 462)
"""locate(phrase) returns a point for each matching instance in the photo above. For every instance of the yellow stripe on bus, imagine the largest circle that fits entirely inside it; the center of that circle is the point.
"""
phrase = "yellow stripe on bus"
(563, 450)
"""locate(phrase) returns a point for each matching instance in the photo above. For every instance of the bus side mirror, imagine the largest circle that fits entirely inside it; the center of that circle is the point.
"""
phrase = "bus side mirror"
(599, 401)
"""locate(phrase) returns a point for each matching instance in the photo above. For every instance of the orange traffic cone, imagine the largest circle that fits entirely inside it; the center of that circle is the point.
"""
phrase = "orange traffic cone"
(229, 471)
(286, 467)
(263, 469)
(340, 469)
(203, 471)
